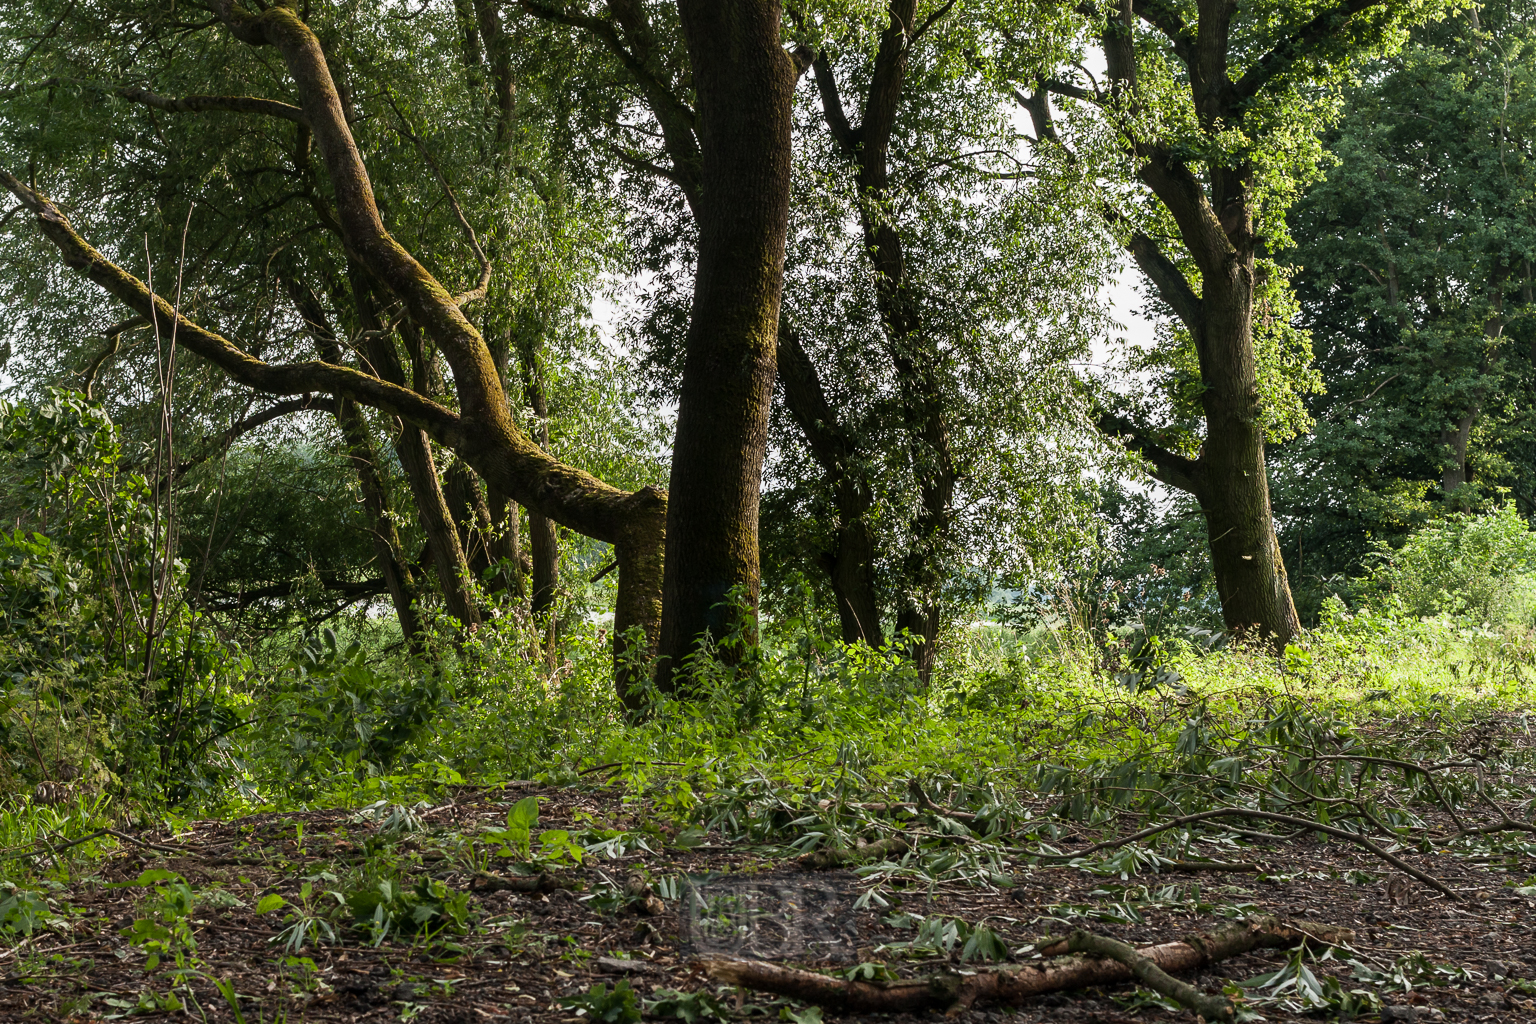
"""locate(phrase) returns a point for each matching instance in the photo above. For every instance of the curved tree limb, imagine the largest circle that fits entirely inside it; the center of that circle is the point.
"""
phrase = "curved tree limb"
(200, 104)
(273, 378)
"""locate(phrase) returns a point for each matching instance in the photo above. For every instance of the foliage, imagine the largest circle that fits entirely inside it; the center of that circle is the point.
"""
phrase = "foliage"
(1478, 567)
(617, 1005)
(1415, 262)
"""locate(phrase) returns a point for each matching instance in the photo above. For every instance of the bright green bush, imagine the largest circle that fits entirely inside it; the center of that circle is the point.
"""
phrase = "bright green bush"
(1480, 567)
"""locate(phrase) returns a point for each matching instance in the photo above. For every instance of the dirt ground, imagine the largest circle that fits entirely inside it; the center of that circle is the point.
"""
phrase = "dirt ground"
(621, 917)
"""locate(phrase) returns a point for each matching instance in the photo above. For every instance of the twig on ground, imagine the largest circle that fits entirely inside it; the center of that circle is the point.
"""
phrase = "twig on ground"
(1146, 971)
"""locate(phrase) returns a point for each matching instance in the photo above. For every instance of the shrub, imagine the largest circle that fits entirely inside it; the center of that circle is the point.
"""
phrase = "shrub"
(1481, 567)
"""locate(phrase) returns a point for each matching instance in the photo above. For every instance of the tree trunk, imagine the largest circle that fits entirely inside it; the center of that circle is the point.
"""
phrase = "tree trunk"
(850, 564)
(453, 571)
(506, 542)
(471, 515)
(1234, 486)
(744, 83)
(414, 450)
(543, 540)
(1214, 217)
(913, 353)
(394, 567)
(1459, 436)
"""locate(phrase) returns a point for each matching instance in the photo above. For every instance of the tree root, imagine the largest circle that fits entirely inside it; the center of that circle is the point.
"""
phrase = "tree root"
(1151, 965)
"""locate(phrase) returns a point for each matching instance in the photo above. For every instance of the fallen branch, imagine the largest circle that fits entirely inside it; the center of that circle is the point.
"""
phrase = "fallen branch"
(1146, 971)
(822, 860)
(1010, 985)
(1246, 812)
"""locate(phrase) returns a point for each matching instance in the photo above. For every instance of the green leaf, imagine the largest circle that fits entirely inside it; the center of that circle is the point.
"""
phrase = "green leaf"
(270, 903)
(524, 814)
(154, 875)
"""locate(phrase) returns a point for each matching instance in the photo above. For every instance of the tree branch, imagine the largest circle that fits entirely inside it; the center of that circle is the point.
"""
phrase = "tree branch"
(807, 403)
(1292, 49)
(199, 104)
(676, 118)
(1168, 21)
(304, 403)
(479, 290)
(1171, 284)
(279, 379)
(1167, 467)
(843, 133)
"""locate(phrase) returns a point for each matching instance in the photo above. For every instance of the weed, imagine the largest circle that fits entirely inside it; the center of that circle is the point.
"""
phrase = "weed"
(617, 1005)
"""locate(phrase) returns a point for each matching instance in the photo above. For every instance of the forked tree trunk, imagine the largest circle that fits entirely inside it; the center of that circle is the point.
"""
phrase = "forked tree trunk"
(1214, 216)
(744, 83)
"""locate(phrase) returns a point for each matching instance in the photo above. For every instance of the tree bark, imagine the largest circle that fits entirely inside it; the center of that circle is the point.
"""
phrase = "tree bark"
(1234, 486)
(471, 515)
(744, 83)
(1014, 984)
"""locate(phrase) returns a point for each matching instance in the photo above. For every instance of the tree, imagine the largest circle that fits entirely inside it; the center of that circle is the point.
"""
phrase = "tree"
(1217, 109)
(938, 286)
(481, 429)
(1416, 285)
(719, 85)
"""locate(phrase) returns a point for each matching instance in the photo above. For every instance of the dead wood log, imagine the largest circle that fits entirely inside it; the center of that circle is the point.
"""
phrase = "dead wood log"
(825, 859)
(956, 992)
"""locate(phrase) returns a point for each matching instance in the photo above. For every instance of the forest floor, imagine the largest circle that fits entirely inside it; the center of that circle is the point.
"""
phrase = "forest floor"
(200, 908)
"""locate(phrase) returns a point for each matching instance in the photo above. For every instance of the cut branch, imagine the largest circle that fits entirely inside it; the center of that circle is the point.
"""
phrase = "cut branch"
(1145, 970)
(1284, 819)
